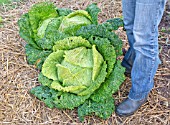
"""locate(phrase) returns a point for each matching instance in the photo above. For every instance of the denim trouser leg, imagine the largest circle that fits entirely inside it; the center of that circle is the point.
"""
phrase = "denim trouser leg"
(128, 7)
(148, 14)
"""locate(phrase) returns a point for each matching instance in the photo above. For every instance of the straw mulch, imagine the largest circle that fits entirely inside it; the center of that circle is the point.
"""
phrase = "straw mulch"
(17, 106)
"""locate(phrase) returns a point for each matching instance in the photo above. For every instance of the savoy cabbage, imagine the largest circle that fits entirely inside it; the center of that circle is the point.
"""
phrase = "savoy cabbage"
(76, 57)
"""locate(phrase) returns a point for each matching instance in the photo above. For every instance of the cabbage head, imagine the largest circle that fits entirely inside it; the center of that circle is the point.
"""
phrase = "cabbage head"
(81, 73)
(77, 68)
(77, 58)
(44, 24)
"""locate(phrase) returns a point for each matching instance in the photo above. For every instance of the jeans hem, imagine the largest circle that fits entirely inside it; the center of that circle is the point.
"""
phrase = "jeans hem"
(137, 97)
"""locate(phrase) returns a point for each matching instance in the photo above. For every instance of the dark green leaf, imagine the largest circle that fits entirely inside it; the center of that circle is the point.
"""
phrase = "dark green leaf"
(93, 10)
(44, 80)
(103, 32)
(53, 98)
(25, 30)
(113, 24)
(111, 85)
(44, 94)
(103, 109)
(35, 56)
(63, 11)
(68, 100)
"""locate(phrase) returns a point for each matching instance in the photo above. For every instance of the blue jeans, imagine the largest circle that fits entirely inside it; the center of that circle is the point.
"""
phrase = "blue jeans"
(141, 20)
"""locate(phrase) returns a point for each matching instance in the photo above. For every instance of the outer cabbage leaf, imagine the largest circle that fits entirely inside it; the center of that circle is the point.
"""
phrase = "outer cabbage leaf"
(35, 56)
(44, 94)
(113, 24)
(25, 30)
(103, 32)
(61, 100)
(44, 80)
(67, 100)
(93, 10)
(63, 11)
(40, 12)
(103, 109)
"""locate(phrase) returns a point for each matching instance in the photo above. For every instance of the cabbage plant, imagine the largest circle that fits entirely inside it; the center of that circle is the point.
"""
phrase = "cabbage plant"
(76, 57)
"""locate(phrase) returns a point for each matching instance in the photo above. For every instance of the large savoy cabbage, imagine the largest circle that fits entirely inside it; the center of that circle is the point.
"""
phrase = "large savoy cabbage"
(76, 57)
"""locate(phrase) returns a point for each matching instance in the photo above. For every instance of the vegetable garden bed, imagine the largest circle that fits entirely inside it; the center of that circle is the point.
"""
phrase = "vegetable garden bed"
(18, 106)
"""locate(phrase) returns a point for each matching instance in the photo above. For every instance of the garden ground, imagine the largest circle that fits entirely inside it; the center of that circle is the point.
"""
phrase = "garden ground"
(17, 106)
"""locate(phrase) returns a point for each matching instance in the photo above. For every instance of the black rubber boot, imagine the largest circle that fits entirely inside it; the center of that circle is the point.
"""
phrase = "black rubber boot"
(128, 107)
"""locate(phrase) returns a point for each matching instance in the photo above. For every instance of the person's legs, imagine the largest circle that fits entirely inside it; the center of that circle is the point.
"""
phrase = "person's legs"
(128, 7)
(148, 14)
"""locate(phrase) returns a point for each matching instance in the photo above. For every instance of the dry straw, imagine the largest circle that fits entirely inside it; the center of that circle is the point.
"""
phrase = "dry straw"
(17, 106)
